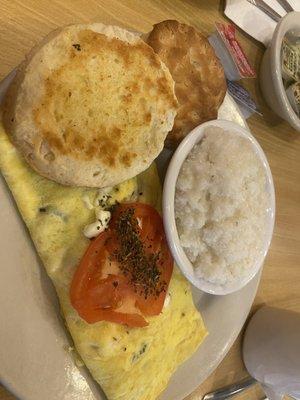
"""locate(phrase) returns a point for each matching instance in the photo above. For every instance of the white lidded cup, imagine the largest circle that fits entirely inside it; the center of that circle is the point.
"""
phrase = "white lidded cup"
(271, 71)
(271, 351)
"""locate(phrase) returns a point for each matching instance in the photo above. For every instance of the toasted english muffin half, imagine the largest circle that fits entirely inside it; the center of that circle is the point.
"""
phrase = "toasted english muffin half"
(200, 84)
(90, 106)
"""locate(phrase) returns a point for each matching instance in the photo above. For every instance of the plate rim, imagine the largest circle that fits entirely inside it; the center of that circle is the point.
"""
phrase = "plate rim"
(256, 280)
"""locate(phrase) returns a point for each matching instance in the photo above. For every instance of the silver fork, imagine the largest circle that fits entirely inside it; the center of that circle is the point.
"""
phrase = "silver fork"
(229, 391)
(286, 5)
(266, 9)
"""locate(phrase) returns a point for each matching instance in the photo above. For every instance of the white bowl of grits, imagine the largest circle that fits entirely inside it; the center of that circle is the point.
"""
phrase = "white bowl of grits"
(219, 207)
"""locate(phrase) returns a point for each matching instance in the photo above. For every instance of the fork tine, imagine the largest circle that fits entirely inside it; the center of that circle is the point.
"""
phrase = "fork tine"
(286, 5)
(266, 9)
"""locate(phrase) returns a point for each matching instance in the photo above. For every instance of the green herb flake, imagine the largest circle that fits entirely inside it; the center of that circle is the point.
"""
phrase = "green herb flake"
(77, 46)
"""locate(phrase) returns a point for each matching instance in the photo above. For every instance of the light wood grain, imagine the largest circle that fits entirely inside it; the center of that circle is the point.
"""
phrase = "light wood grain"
(23, 23)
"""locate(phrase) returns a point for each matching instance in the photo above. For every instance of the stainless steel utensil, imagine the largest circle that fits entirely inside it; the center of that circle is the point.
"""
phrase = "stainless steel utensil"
(266, 9)
(286, 5)
(229, 391)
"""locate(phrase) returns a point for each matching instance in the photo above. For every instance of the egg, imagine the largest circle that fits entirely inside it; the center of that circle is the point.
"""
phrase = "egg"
(128, 363)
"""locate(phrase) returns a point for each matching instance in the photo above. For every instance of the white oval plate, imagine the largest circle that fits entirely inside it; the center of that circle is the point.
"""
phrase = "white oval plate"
(35, 361)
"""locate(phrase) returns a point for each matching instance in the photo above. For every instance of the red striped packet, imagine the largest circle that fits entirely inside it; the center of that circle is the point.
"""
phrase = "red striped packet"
(227, 33)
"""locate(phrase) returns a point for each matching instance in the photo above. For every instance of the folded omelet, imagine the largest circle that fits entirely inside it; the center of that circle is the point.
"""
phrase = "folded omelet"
(128, 363)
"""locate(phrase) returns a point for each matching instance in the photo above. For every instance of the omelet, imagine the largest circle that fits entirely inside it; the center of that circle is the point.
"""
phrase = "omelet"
(128, 363)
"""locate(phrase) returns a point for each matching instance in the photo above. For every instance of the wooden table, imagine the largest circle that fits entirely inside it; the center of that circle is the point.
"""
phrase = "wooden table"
(23, 23)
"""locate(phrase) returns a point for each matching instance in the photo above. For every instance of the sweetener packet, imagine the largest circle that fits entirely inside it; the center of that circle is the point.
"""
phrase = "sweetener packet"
(234, 60)
(243, 98)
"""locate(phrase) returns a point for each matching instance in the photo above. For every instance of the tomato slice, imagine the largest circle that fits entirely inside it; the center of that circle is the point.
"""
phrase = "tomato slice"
(109, 284)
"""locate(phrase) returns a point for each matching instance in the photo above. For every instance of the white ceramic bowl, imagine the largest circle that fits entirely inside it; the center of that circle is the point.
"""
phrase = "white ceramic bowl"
(270, 72)
(169, 213)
